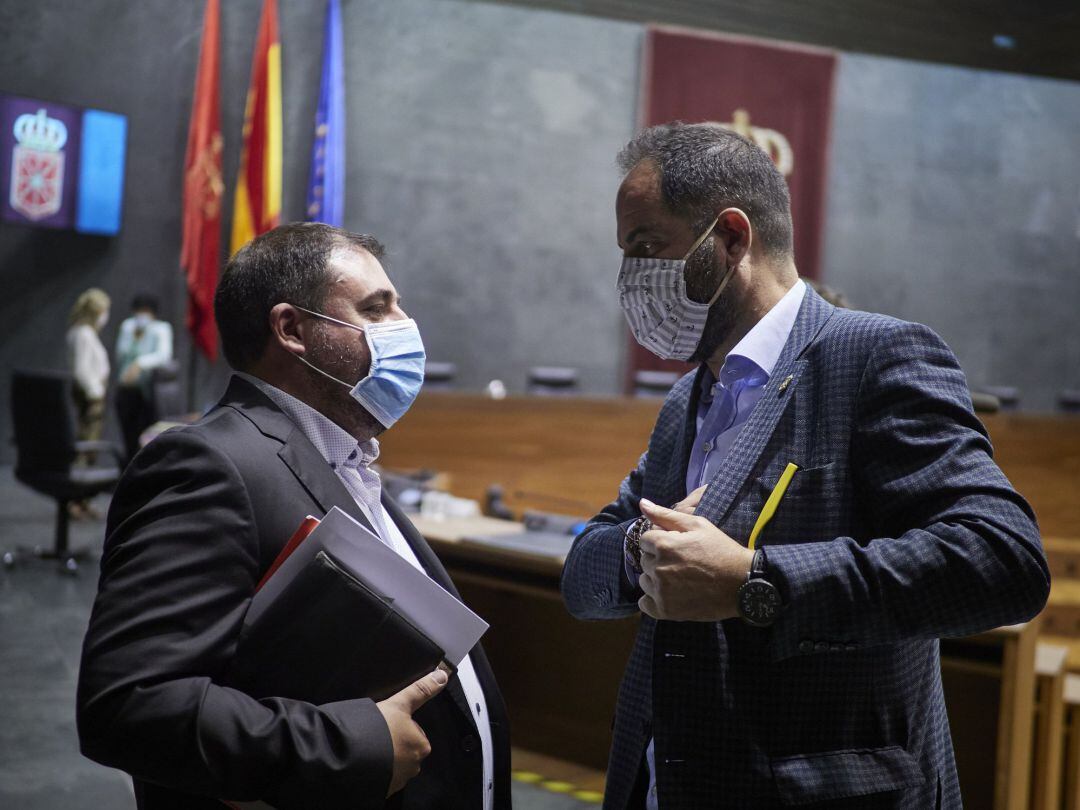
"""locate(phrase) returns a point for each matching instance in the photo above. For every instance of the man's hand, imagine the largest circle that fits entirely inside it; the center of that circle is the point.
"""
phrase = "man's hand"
(411, 745)
(688, 504)
(691, 569)
(131, 374)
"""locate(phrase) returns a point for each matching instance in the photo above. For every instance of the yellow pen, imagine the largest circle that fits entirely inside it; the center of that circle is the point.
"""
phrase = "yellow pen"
(769, 509)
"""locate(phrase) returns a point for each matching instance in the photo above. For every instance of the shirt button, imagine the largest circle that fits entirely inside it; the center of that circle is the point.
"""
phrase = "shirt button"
(707, 447)
(478, 708)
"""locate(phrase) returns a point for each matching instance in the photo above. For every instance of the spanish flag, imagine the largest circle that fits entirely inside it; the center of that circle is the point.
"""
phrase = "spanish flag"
(257, 207)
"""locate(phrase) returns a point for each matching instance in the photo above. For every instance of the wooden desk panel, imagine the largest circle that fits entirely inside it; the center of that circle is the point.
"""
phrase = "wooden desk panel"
(550, 453)
(569, 455)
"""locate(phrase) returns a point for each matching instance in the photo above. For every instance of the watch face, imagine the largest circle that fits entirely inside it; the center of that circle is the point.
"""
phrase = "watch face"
(759, 602)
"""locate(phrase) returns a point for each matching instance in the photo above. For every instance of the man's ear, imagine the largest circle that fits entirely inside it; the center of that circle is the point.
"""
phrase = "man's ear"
(289, 330)
(733, 229)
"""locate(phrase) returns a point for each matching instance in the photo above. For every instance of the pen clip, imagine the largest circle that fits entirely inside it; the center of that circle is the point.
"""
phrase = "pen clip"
(773, 501)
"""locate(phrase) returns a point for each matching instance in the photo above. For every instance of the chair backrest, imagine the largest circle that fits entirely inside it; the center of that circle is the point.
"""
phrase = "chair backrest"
(552, 381)
(648, 383)
(44, 420)
(439, 376)
(167, 392)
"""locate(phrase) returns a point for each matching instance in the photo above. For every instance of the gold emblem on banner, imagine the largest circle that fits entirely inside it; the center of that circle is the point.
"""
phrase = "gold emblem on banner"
(771, 142)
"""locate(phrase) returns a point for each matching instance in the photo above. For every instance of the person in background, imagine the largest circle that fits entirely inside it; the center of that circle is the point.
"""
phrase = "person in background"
(89, 364)
(144, 344)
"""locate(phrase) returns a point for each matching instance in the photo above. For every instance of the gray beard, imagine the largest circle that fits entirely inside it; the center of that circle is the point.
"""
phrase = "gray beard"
(702, 277)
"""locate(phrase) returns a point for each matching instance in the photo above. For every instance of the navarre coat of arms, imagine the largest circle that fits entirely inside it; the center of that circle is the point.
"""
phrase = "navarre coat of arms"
(37, 165)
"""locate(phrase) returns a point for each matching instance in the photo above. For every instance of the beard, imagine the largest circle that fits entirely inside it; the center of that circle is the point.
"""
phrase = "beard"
(703, 276)
(334, 400)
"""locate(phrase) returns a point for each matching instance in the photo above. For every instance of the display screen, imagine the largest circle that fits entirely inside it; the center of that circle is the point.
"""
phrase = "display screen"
(61, 166)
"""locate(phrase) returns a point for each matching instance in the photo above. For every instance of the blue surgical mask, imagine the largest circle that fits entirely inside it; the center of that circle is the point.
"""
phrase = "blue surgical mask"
(397, 367)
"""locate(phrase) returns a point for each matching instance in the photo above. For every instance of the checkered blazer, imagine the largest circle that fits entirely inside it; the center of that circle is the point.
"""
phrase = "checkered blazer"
(898, 529)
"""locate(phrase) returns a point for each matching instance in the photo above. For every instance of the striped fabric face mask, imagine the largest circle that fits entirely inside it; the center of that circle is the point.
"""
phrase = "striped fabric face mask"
(652, 294)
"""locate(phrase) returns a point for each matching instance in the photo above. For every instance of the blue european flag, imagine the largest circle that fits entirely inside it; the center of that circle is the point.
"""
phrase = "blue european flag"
(326, 185)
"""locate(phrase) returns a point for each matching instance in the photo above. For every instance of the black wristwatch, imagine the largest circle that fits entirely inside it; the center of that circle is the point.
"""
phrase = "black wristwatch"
(757, 599)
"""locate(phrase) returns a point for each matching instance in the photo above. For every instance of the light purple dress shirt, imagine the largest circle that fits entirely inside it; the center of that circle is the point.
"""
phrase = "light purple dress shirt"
(723, 408)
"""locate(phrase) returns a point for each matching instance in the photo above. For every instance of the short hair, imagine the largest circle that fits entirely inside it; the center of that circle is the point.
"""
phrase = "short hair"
(145, 301)
(705, 168)
(289, 264)
(88, 307)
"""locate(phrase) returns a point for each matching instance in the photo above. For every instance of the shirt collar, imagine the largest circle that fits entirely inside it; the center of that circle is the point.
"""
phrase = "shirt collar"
(760, 348)
(334, 443)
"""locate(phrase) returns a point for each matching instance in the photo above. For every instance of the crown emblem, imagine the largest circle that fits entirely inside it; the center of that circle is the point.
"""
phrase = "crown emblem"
(40, 132)
(771, 142)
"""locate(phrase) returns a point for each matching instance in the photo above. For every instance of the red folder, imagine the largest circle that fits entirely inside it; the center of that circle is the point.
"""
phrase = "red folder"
(306, 527)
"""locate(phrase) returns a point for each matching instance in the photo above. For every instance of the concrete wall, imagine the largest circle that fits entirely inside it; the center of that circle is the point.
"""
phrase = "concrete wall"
(954, 200)
(481, 144)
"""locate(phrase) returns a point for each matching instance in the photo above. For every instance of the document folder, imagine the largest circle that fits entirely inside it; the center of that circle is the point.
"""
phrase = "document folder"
(345, 616)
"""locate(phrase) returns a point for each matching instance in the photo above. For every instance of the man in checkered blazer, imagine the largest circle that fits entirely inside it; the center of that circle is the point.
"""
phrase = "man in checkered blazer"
(804, 672)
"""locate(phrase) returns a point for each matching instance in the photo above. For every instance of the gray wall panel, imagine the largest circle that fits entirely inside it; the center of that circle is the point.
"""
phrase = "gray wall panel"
(481, 149)
(954, 200)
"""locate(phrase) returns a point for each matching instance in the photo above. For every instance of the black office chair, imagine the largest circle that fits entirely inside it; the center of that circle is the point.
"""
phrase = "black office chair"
(47, 451)
(439, 376)
(655, 384)
(167, 392)
(552, 381)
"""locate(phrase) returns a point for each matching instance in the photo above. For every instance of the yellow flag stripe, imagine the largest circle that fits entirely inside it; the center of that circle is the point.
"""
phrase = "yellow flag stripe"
(273, 153)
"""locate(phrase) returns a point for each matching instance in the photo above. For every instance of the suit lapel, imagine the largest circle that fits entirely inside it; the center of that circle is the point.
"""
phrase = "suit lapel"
(733, 472)
(296, 451)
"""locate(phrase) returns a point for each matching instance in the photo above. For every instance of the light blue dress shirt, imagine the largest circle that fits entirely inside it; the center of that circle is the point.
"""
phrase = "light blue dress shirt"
(723, 408)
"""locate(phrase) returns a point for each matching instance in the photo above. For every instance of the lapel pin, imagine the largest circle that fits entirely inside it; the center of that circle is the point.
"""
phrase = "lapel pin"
(784, 385)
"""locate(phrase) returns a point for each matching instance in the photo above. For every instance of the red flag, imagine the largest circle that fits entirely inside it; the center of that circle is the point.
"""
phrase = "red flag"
(203, 188)
(257, 204)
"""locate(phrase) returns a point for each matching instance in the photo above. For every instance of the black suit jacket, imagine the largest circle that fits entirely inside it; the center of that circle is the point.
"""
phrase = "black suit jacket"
(198, 517)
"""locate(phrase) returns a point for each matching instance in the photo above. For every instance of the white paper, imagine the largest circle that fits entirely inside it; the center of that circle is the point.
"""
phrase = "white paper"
(434, 611)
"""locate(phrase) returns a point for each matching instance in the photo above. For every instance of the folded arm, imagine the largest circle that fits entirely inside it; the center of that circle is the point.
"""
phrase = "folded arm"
(595, 583)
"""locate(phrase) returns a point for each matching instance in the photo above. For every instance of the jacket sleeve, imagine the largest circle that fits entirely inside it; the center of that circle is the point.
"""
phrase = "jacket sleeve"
(955, 549)
(180, 564)
(594, 580)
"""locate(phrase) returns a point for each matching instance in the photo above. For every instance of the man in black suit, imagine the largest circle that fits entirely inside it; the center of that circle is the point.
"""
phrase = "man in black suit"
(326, 360)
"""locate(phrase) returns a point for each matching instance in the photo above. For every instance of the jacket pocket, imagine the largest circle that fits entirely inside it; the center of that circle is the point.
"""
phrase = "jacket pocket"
(808, 778)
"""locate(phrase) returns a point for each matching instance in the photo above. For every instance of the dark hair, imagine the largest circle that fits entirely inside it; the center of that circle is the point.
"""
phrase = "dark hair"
(705, 168)
(145, 301)
(287, 264)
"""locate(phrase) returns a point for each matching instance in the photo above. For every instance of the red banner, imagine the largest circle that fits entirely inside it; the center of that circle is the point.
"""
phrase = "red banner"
(203, 188)
(779, 96)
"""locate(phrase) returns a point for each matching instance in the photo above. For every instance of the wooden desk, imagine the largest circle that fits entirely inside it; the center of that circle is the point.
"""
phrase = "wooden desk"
(568, 455)
(559, 676)
(1049, 749)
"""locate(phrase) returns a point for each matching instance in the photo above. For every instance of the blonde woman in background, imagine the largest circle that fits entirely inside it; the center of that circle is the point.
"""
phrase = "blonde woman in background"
(89, 364)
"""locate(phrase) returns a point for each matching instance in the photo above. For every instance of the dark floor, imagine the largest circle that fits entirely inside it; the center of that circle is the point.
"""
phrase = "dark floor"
(43, 615)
